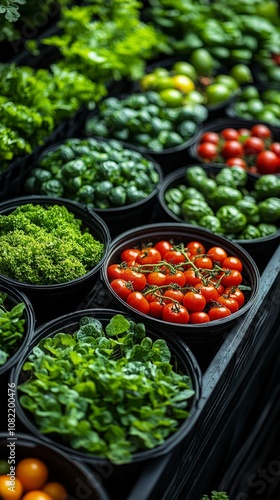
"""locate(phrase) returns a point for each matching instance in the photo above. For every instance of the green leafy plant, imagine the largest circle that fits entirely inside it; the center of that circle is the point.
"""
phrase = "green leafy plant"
(46, 245)
(12, 327)
(10, 9)
(108, 390)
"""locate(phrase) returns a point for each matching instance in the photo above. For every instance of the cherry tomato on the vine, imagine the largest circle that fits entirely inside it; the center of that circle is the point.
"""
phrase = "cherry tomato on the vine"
(210, 137)
(174, 257)
(203, 262)
(122, 288)
(156, 309)
(218, 312)
(207, 150)
(139, 302)
(217, 254)
(198, 317)
(149, 255)
(175, 313)
(261, 130)
(231, 278)
(236, 162)
(209, 292)
(129, 254)
(178, 278)
(162, 246)
(232, 263)
(194, 301)
(171, 295)
(232, 148)
(228, 302)
(192, 277)
(196, 248)
(230, 134)
(235, 293)
(114, 271)
(138, 280)
(253, 146)
(156, 278)
(267, 162)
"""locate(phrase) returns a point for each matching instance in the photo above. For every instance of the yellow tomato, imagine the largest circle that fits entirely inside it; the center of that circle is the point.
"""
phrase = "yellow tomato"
(183, 83)
(56, 490)
(10, 489)
(32, 473)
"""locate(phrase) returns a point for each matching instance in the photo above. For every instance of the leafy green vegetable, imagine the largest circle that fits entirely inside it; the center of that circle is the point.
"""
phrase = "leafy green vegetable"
(109, 391)
(12, 327)
(10, 9)
(46, 245)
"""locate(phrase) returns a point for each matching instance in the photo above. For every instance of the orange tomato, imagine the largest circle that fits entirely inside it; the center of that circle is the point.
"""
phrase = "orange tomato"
(56, 490)
(10, 489)
(32, 472)
(36, 495)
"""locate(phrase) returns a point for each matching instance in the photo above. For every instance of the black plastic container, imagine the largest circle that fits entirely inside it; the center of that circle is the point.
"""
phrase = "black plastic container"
(80, 482)
(182, 358)
(116, 217)
(193, 334)
(15, 297)
(50, 301)
(261, 249)
(218, 126)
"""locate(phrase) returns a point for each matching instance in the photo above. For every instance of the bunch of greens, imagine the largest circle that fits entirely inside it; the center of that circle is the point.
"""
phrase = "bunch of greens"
(33, 102)
(110, 391)
(106, 40)
(12, 327)
(46, 245)
(216, 495)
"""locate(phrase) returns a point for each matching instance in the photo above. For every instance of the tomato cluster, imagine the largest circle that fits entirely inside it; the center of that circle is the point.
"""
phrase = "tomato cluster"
(179, 283)
(251, 148)
(29, 482)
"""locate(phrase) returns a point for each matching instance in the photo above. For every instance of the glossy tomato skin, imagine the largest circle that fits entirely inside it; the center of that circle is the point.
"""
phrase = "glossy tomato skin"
(156, 309)
(194, 302)
(218, 312)
(236, 161)
(217, 254)
(253, 146)
(232, 148)
(5, 488)
(171, 295)
(203, 262)
(261, 130)
(37, 495)
(163, 246)
(231, 278)
(228, 302)
(174, 313)
(192, 277)
(148, 255)
(122, 288)
(56, 490)
(156, 278)
(137, 279)
(114, 271)
(138, 302)
(195, 248)
(207, 151)
(275, 148)
(198, 317)
(178, 278)
(232, 263)
(235, 293)
(129, 254)
(267, 162)
(230, 134)
(208, 291)
(212, 137)
(174, 257)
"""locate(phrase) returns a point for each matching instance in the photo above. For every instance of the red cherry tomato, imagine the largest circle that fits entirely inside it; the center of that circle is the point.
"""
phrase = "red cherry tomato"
(138, 302)
(244, 132)
(218, 312)
(209, 291)
(232, 148)
(253, 146)
(162, 246)
(275, 148)
(232, 263)
(138, 280)
(122, 288)
(217, 254)
(210, 137)
(235, 293)
(229, 134)
(228, 302)
(231, 278)
(262, 131)
(156, 309)
(156, 278)
(129, 254)
(207, 151)
(192, 278)
(114, 271)
(234, 161)
(178, 278)
(203, 262)
(198, 317)
(174, 257)
(267, 162)
(194, 301)
(195, 248)
(171, 295)
(148, 255)
(175, 313)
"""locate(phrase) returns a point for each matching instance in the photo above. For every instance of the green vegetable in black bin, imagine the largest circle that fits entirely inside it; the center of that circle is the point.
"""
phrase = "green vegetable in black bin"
(232, 220)
(212, 223)
(194, 175)
(194, 210)
(121, 388)
(250, 209)
(269, 209)
(223, 195)
(267, 229)
(232, 177)
(250, 232)
(12, 327)
(266, 186)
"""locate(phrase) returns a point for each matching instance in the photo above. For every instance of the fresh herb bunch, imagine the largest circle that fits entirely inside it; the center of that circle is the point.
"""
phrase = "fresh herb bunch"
(108, 390)
(106, 40)
(46, 245)
(33, 102)
(12, 327)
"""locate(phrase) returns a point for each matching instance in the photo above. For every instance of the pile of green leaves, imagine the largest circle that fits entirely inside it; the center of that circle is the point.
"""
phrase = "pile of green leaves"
(12, 327)
(46, 245)
(110, 391)
(233, 31)
(106, 40)
(33, 102)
